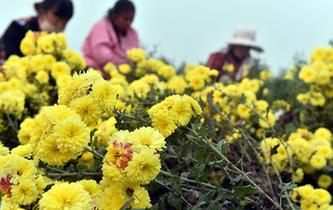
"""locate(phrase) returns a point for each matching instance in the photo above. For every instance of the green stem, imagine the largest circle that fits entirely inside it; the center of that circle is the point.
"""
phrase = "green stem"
(71, 174)
(263, 166)
(192, 181)
(285, 146)
(285, 193)
(168, 188)
(144, 122)
(188, 180)
(223, 157)
(95, 153)
(244, 174)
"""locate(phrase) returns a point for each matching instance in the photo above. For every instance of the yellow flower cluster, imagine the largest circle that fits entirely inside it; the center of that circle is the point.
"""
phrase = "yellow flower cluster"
(311, 198)
(310, 151)
(275, 152)
(238, 101)
(173, 112)
(318, 74)
(141, 87)
(92, 126)
(177, 84)
(153, 74)
(136, 55)
(32, 80)
(57, 135)
(60, 133)
(290, 74)
(130, 162)
(147, 66)
(20, 182)
(12, 103)
(37, 43)
(265, 75)
(199, 76)
(66, 196)
(313, 98)
(234, 136)
(105, 130)
(89, 95)
(159, 67)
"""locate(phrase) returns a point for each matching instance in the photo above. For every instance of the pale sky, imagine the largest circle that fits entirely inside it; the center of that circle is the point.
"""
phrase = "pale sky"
(189, 30)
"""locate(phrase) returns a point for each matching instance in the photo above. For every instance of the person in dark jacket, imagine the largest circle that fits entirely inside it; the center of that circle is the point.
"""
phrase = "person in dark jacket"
(52, 16)
(235, 61)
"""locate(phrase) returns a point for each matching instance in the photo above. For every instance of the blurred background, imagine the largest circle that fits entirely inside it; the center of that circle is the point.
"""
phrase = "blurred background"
(189, 30)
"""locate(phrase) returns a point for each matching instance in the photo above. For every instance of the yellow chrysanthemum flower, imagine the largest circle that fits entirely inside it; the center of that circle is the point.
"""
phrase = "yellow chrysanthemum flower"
(3, 150)
(136, 55)
(60, 69)
(105, 130)
(125, 68)
(141, 198)
(71, 135)
(24, 191)
(23, 150)
(113, 174)
(113, 197)
(321, 196)
(37, 63)
(302, 192)
(12, 102)
(243, 111)
(46, 44)
(48, 152)
(88, 109)
(317, 99)
(58, 135)
(182, 111)
(325, 151)
(318, 161)
(42, 77)
(164, 123)
(17, 166)
(27, 46)
(323, 77)
(66, 196)
(197, 83)
(265, 75)
(261, 106)
(144, 167)
(91, 187)
(177, 84)
(298, 175)
(139, 88)
(166, 71)
(323, 133)
(324, 181)
(267, 121)
(149, 137)
(307, 74)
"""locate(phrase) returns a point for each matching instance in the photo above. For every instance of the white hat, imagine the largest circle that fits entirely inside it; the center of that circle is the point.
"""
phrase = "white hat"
(245, 37)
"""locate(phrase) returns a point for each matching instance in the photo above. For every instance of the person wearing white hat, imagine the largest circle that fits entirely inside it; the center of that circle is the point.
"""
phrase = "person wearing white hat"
(235, 61)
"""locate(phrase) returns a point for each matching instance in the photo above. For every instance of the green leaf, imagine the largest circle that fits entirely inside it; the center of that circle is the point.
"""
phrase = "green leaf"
(244, 191)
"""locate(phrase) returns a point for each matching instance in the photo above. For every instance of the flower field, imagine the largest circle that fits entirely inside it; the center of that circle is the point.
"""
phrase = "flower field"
(157, 137)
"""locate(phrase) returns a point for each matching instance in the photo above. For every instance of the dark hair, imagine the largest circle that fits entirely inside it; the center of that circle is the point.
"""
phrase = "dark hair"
(61, 8)
(121, 6)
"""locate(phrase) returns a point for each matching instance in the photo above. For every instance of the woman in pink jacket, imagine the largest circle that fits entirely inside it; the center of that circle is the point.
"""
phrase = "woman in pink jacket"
(111, 37)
